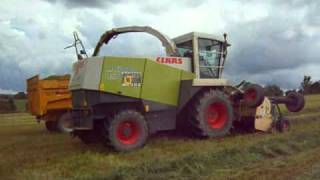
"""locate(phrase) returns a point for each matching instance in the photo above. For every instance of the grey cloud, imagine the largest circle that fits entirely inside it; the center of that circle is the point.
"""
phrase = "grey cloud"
(157, 9)
(268, 50)
(26, 51)
(147, 6)
(86, 3)
(13, 77)
(10, 75)
(262, 52)
(93, 27)
(296, 3)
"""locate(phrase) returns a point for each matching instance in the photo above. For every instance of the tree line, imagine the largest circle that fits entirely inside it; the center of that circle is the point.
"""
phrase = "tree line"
(307, 86)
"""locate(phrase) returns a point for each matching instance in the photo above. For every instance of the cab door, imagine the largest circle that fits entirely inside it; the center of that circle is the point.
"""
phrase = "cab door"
(209, 58)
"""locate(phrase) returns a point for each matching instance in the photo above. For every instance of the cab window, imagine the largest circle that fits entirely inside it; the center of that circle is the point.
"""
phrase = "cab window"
(209, 57)
(185, 49)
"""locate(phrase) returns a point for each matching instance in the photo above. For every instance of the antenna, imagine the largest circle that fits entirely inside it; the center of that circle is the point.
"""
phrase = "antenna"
(77, 41)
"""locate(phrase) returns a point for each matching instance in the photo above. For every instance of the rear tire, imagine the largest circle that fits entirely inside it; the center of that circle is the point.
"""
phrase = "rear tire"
(211, 114)
(126, 130)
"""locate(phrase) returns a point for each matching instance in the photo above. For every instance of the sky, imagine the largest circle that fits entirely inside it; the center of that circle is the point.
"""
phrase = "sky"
(273, 42)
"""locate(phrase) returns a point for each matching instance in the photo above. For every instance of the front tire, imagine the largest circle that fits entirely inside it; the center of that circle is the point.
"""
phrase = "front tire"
(211, 114)
(126, 130)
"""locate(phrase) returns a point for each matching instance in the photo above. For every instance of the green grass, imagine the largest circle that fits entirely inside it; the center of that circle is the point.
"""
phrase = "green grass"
(28, 151)
(20, 104)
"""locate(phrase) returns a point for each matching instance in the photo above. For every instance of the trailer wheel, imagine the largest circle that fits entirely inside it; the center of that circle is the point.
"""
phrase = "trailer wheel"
(64, 123)
(211, 114)
(283, 125)
(126, 130)
(51, 126)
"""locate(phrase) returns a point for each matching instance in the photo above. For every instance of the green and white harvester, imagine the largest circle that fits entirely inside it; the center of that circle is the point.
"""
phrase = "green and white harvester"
(120, 101)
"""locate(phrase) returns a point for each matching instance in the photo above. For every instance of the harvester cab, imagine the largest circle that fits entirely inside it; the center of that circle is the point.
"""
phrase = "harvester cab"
(207, 53)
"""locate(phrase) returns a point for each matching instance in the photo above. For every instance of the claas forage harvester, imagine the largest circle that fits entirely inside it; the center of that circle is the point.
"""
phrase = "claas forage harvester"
(120, 101)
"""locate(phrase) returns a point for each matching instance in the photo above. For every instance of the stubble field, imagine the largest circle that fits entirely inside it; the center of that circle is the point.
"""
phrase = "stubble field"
(28, 151)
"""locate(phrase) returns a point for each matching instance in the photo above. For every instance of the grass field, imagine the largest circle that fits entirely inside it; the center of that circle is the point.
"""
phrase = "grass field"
(20, 104)
(28, 151)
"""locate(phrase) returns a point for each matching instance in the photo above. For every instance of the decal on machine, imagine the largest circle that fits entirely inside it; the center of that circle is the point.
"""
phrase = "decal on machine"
(115, 73)
(131, 79)
(169, 60)
(183, 63)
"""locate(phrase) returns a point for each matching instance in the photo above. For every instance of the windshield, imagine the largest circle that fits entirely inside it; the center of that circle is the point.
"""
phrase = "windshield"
(209, 58)
(185, 49)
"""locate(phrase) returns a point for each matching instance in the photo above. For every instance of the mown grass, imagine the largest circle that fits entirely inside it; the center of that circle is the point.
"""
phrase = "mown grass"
(28, 151)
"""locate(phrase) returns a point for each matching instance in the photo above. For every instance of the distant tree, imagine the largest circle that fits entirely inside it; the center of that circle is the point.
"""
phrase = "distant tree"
(314, 88)
(7, 105)
(12, 105)
(306, 84)
(273, 90)
(20, 95)
(291, 90)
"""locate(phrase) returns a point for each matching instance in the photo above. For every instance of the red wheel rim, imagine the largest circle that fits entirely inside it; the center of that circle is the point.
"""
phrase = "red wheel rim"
(217, 115)
(128, 132)
(250, 95)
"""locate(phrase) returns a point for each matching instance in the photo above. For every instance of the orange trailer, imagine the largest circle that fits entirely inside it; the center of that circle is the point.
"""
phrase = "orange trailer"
(50, 100)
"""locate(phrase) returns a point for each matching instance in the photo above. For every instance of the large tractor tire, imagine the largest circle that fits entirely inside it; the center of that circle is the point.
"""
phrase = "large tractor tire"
(126, 130)
(51, 126)
(253, 95)
(64, 123)
(211, 114)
